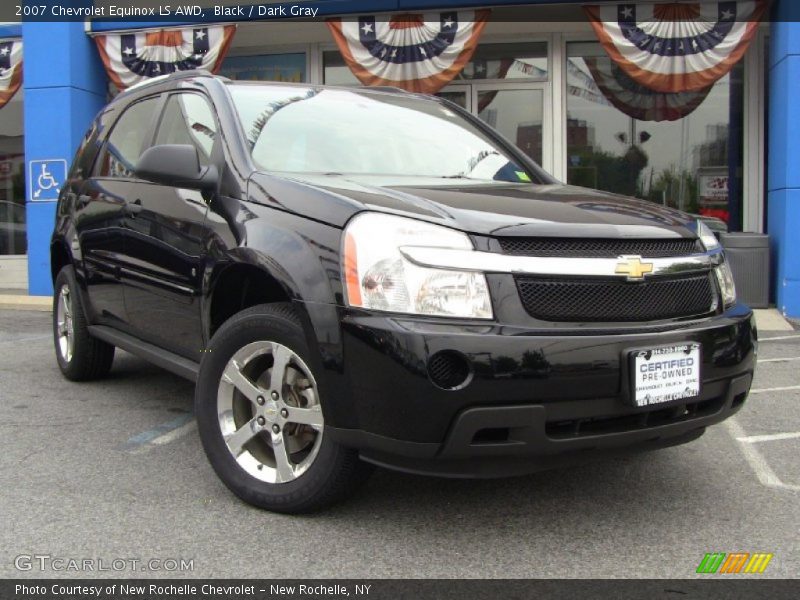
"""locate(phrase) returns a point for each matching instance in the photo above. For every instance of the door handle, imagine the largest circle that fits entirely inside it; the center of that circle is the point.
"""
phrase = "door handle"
(133, 208)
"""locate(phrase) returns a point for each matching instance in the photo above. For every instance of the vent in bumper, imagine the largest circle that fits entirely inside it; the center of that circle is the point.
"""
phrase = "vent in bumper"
(587, 300)
(598, 248)
(620, 423)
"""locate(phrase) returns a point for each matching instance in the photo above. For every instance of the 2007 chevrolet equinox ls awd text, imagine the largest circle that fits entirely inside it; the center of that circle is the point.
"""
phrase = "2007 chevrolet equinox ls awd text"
(358, 277)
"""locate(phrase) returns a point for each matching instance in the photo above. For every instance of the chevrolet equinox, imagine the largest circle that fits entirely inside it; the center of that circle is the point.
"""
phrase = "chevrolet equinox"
(358, 277)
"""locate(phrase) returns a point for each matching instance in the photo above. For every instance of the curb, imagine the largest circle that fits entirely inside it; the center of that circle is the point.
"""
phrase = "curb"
(770, 319)
(20, 302)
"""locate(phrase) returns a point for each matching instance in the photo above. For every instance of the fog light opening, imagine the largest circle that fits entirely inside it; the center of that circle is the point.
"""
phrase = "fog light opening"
(449, 370)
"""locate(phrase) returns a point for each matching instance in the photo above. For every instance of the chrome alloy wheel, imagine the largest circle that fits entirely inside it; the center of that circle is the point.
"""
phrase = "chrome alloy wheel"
(65, 330)
(269, 412)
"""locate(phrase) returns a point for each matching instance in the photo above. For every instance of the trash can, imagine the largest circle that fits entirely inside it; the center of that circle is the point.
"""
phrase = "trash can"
(748, 256)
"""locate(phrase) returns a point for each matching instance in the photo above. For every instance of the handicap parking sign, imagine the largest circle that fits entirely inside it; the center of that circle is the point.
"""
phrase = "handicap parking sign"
(46, 178)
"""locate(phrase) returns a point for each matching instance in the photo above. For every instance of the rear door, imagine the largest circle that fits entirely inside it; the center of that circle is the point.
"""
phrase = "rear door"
(100, 202)
(166, 235)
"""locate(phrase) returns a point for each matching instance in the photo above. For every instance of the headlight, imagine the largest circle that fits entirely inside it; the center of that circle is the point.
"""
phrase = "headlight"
(726, 285)
(707, 236)
(378, 277)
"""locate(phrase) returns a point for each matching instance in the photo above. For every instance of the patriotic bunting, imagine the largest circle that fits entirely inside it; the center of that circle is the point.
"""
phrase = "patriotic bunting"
(676, 47)
(132, 57)
(637, 101)
(10, 69)
(419, 53)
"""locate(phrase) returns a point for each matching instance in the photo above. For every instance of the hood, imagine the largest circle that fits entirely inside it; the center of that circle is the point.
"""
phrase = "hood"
(493, 208)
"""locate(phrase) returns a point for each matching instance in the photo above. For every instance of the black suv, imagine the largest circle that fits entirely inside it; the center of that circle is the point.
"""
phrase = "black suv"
(360, 277)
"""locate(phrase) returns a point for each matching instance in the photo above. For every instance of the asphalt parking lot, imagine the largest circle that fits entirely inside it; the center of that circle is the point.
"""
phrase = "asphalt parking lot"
(114, 470)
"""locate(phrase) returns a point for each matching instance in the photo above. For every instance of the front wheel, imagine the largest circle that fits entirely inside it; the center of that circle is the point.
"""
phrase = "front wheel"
(260, 416)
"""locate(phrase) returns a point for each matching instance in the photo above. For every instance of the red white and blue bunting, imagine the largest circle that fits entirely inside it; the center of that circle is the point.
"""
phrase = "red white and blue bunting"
(419, 53)
(676, 47)
(10, 69)
(132, 57)
(637, 101)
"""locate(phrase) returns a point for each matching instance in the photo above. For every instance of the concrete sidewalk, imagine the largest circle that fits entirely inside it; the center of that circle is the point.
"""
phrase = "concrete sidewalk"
(13, 300)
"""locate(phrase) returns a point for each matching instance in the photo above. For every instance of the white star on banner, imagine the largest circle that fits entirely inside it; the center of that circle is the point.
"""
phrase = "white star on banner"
(156, 69)
(128, 52)
(394, 53)
(448, 24)
(200, 34)
(367, 28)
(422, 51)
(4, 51)
(627, 12)
(727, 15)
(695, 45)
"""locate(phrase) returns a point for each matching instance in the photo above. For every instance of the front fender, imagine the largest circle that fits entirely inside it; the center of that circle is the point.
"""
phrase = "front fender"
(303, 257)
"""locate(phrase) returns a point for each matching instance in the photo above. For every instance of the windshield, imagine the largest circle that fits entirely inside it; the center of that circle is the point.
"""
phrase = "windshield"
(337, 131)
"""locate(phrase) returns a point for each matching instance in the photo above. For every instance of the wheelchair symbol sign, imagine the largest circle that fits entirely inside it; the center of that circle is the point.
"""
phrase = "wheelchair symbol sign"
(46, 178)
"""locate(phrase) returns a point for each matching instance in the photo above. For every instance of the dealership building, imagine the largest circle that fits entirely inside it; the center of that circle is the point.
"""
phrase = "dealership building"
(545, 74)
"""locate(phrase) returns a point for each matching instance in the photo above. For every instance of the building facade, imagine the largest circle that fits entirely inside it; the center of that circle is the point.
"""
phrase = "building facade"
(543, 82)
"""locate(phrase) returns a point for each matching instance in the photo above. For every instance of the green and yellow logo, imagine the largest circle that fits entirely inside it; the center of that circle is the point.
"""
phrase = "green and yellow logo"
(735, 562)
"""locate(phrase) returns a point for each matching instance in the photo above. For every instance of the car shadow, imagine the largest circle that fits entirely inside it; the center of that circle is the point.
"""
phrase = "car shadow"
(583, 495)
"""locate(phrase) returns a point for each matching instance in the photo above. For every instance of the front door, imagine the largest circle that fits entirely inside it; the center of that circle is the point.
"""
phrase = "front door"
(165, 238)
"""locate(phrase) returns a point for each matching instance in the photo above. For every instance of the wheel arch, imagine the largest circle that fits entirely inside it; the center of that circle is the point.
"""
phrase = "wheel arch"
(238, 286)
(60, 257)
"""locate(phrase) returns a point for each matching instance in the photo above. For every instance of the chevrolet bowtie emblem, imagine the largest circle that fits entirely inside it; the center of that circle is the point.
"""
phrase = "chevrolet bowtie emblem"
(633, 267)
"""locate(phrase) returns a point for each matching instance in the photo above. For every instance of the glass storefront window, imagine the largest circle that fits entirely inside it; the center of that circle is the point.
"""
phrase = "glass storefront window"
(266, 67)
(491, 61)
(507, 61)
(13, 238)
(335, 70)
(693, 163)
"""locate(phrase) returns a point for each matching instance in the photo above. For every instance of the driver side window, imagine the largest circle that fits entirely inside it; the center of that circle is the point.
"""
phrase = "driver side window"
(188, 119)
(126, 141)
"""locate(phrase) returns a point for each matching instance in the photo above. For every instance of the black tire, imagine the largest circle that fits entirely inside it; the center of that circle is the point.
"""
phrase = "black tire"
(335, 472)
(90, 358)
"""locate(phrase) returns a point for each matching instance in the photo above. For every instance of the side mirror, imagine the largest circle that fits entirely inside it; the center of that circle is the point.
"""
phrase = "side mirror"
(177, 165)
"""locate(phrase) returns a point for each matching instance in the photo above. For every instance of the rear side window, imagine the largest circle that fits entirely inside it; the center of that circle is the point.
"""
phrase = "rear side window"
(126, 142)
(188, 119)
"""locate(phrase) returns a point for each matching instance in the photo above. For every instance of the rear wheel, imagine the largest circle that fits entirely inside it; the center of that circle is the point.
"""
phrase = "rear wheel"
(260, 416)
(80, 356)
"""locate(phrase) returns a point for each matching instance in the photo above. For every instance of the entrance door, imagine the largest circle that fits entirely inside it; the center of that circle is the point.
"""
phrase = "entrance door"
(517, 110)
(519, 114)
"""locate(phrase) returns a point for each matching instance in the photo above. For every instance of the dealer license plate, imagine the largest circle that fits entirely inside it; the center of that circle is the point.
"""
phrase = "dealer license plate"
(666, 374)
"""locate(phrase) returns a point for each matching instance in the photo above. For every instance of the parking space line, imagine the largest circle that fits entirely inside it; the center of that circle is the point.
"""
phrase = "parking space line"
(36, 338)
(783, 337)
(774, 437)
(757, 462)
(160, 435)
(776, 389)
(778, 360)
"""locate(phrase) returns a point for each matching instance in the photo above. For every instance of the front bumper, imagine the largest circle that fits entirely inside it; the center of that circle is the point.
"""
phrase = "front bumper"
(534, 399)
